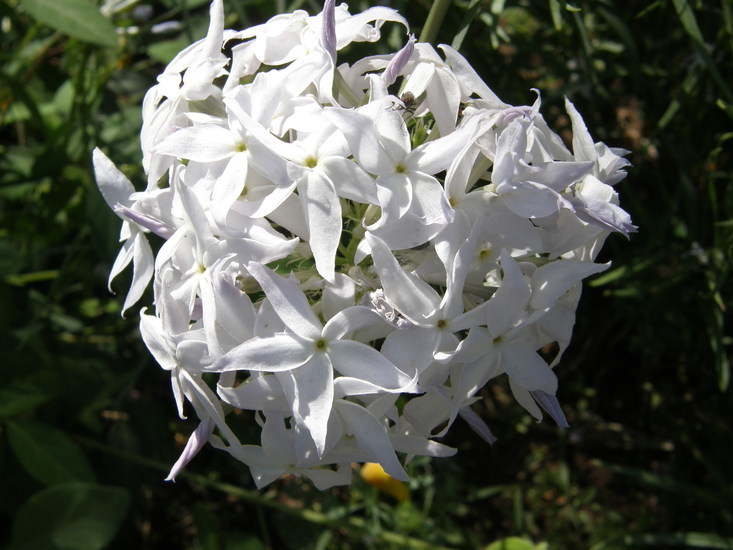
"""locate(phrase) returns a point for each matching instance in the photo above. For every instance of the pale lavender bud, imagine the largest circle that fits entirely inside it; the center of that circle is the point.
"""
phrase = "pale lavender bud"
(328, 29)
(166, 26)
(195, 443)
(512, 113)
(143, 12)
(551, 406)
(143, 220)
(603, 214)
(477, 425)
(398, 62)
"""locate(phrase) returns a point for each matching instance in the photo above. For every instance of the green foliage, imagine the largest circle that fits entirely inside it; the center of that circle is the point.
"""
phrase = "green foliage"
(88, 428)
(515, 543)
(70, 516)
(47, 454)
(78, 18)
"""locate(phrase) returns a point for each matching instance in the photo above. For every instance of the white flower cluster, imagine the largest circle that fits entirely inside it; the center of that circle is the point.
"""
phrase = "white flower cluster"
(352, 252)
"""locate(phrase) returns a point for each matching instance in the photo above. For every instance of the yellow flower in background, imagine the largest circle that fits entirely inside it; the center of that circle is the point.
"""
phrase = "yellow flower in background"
(375, 475)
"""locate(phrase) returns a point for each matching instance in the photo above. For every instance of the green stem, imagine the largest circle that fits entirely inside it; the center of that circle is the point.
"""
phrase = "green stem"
(312, 516)
(434, 21)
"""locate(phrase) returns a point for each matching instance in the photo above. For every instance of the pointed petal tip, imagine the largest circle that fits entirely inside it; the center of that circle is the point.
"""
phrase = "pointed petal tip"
(551, 406)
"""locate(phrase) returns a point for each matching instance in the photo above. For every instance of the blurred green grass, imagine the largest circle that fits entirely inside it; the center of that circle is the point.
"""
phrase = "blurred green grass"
(86, 417)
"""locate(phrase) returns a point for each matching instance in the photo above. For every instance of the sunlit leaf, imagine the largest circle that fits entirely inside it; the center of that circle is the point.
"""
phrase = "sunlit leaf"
(556, 15)
(78, 18)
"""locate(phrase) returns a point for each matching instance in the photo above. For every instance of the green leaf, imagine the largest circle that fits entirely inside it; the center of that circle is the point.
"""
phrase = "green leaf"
(686, 540)
(689, 23)
(726, 107)
(556, 15)
(19, 397)
(242, 541)
(469, 16)
(621, 273)
(515, 543)
(207, 526)
(71, 516)
(11, 260)
(720, 499)
(78, 18)
(48, 454)
(165, 51)
(28, 278)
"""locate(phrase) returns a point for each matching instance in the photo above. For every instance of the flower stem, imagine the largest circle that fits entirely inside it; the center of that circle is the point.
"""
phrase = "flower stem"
(434, 20)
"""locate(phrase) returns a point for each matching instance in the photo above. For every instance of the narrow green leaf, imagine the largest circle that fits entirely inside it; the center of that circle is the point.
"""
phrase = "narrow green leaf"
(470, 15)
(624, 33)
(689, 23)
(71, 516)
(78, 18)
(688, 20)
(720, 500)
(686, 540)
(715, 324)
(727, 108)
(556, 14)
(48, 454)
(727, 11)
(434, 20)
(27, 278)
(620, 273)
(512, 543)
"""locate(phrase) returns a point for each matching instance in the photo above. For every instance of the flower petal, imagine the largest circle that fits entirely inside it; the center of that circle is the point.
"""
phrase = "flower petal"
(288, 300)
(277, 353)
(350, 320)
(206, 143)
(551, 406)
(195, 443)
(554, 279)
(525, 367)
(114, 186)
(357, 360)
(362, 137)
(372, 436)
(323, 213)
(260, 392)
(311, 393)
(414, 298)
(142, 270)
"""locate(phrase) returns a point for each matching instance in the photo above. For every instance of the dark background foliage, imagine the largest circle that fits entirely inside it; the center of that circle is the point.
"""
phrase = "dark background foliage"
(87, 424)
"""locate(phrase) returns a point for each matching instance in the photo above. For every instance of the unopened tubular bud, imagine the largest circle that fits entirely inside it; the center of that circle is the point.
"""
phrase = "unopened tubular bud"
(398, 62)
